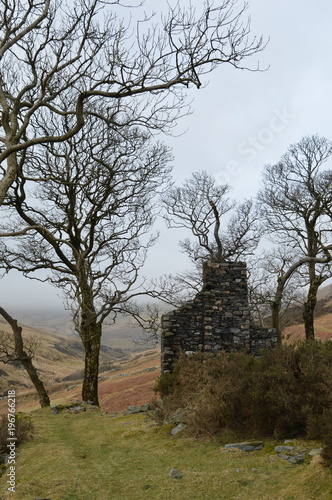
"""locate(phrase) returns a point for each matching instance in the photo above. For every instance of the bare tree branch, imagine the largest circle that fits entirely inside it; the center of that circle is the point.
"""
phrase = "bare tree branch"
(66, 61)
(199, 206)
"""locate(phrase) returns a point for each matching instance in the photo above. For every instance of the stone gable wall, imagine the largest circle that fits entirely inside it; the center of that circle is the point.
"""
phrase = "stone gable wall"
(216, 319)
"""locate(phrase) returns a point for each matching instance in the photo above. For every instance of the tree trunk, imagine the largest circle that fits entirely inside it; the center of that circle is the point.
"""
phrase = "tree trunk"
(32, 372)
(26, 359)
(276, 306)
(309, 310)
(310, 304)
(89, 330)
(91, 341)
(275, 313)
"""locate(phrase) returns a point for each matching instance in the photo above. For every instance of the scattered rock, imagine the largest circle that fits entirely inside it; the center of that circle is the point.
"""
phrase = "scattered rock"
(283, 449)
(175, 474)
(77, 409)
(179, 428)
(293, 454)
(178, 417)
(137, 409)
(247, 446)
(315, 451)
(292, 459)
(55, 409)
(131, 410)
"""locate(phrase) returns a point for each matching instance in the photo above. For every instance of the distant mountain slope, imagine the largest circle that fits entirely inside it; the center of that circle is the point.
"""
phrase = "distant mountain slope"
(322, 325)
(119, 335)
(57, 357)
(325, 292)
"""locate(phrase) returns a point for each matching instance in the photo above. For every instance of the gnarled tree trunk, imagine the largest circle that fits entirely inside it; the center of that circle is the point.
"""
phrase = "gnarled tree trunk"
(91, 342)
(90, 331)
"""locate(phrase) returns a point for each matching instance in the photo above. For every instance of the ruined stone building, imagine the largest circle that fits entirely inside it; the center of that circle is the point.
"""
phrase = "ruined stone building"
(217, 319)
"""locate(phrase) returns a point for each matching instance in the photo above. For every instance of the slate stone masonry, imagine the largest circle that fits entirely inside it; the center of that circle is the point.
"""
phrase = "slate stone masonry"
(217, 319)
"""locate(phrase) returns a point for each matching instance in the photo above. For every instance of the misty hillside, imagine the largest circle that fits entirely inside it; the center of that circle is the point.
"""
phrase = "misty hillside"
(117, 336)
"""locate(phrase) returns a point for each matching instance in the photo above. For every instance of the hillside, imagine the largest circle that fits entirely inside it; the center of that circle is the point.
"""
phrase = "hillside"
(120, 335)
(325, 292)
(57, 357)
(323, 329)
(294, 327)
(129, 382)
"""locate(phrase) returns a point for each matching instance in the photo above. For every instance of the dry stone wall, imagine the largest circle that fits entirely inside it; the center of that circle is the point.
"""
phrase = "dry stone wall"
(216, 319)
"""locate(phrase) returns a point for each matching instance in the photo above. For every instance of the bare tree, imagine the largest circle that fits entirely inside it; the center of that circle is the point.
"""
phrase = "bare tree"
(12, 349)
(87, 207)
(275, 284)
(296, 201)
(74, 58)
(198, 206)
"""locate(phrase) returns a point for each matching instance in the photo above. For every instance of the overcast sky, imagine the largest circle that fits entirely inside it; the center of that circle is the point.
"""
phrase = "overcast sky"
(241, 120)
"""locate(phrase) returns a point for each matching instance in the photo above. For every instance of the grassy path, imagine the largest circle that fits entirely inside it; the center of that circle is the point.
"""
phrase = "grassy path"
(91, 456)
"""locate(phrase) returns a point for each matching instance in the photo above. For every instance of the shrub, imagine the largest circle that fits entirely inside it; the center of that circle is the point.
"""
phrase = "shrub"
(23, 431)
(285, 392)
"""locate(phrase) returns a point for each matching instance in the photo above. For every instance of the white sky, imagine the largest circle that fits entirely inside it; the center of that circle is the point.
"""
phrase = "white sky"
(241, 120)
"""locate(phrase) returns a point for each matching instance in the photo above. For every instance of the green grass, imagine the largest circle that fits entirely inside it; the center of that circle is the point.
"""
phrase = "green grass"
(91, 456)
